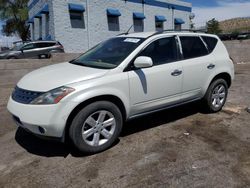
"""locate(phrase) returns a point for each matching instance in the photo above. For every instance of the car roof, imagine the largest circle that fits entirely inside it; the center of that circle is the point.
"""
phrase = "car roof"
(42, 41)
(165, 33)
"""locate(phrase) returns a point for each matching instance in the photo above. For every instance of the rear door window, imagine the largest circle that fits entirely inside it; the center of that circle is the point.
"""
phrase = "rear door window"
(44, 44)
(211, 42)
(192, 47)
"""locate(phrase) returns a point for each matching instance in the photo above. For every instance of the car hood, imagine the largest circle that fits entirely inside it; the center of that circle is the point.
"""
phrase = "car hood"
(53, 76)
(5, 52)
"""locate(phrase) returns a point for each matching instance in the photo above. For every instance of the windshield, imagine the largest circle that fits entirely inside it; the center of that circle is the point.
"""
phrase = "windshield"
(109, 54)
(17, 47)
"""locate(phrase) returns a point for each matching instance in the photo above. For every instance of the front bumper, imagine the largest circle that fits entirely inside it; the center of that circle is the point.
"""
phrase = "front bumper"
(42, 120)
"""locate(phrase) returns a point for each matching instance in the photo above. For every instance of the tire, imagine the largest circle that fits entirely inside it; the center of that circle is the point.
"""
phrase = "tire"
(48, 56)
(12, 57)
(90, 137)
(216, 96)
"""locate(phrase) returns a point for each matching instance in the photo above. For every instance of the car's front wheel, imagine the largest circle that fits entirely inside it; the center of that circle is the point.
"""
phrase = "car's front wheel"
(96, 127)
(216, 95)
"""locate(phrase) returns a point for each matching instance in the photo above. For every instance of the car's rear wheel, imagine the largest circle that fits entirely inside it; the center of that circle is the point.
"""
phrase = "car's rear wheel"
(96, 127)
(216, 95)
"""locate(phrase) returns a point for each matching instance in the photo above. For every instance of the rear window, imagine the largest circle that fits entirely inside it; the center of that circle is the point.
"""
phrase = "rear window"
(193, 47)
(211, 42)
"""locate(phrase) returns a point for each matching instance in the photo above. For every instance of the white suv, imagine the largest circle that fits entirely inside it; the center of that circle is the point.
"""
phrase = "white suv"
(127, 76)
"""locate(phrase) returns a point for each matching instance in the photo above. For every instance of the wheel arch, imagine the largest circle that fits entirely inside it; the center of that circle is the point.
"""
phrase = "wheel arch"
(111, 98)
(226, 76)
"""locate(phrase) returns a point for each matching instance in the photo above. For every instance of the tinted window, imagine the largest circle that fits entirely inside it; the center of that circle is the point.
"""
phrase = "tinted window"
(109, 54)
(113, 23)
(138, 25)
(211, 42)
(44, 44)
(161, 51)
(77, 19)
(28, 47)
(158, 26)
(193, 47)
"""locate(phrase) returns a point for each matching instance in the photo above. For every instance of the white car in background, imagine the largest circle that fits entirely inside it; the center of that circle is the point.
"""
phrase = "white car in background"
(127, 76)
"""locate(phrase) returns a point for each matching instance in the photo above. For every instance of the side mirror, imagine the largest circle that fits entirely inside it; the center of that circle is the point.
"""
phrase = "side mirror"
(143, 62)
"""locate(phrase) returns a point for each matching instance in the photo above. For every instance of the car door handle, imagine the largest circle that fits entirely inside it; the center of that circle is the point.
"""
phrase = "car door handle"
(210, 66)
(176, 72)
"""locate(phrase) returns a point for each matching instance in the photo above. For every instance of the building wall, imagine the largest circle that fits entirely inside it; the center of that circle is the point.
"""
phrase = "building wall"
(96, 20)
(33, 10)
(73, 39)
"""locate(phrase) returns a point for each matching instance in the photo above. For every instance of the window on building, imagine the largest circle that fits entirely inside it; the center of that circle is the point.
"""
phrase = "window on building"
(159, 22)
(159, 26)
(113, 19)
(138, 25)
(162, 51)
(192, 47)
(178, 24)
(177, 27)
(138, 21)
(76, 13)
(113, 23)
(77, 19)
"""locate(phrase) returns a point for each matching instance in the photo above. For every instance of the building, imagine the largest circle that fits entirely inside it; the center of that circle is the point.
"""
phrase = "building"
(81, 24)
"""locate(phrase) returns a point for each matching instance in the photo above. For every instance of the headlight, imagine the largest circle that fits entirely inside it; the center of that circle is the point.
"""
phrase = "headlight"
(53, 96)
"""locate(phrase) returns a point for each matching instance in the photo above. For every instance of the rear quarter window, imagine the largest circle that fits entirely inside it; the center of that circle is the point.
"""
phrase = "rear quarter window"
(211, 42)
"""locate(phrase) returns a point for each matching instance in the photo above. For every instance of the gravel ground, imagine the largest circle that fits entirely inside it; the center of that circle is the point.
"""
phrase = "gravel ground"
(181, 147)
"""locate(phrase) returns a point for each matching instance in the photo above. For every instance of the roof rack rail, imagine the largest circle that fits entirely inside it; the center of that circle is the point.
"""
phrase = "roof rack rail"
(167, 30)
(173, 30)
(190, 30)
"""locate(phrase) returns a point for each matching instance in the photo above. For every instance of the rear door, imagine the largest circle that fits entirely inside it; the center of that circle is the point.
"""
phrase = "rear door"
(45, 47)
(160, 85)
(196, 61)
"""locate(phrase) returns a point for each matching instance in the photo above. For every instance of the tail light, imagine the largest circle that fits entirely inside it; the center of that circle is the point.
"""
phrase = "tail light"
(59, 45)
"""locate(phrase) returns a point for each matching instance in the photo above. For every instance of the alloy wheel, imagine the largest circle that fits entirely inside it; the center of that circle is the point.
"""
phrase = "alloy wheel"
(98, 128)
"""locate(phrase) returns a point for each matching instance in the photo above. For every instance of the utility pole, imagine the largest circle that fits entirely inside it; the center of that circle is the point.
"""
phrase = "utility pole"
(87, 5)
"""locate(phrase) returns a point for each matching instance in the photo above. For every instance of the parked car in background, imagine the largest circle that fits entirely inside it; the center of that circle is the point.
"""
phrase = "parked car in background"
(34, 49)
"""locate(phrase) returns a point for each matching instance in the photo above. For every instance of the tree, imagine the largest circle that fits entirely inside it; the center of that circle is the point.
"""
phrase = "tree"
(213, 27)
(15, 14)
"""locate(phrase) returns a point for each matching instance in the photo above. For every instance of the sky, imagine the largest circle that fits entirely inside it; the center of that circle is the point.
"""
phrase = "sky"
(205, 10)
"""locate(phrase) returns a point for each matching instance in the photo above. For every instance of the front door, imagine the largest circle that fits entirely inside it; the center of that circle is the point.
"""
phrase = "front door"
(160, 85)
(29, 50)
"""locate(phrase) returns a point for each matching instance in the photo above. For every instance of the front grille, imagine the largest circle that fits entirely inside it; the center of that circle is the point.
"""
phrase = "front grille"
(24, 96)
